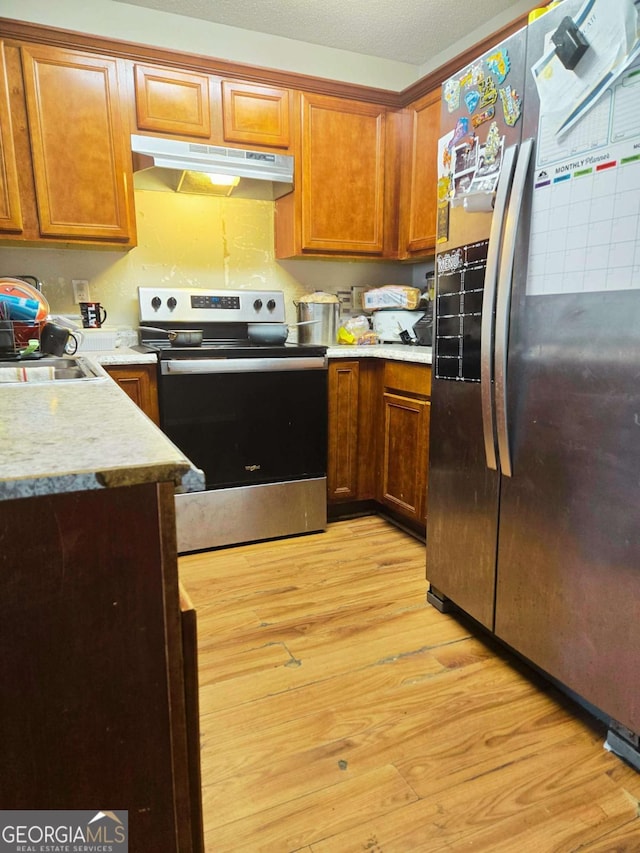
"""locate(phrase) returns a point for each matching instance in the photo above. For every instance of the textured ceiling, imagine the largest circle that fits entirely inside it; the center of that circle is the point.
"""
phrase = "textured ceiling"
(409, 31)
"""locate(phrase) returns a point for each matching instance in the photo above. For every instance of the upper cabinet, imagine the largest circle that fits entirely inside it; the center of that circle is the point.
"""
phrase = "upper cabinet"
(170, 101)
(206, 107)
(255, 115)
(338, 206)
(418, 205)
(64, 137)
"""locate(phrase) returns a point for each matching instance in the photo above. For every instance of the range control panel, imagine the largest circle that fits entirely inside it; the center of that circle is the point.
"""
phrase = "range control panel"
(184, 305)
(219, 302)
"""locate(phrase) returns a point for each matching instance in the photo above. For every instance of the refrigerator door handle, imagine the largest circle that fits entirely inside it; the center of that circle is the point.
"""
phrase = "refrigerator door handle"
(503, 303)
(489, 306)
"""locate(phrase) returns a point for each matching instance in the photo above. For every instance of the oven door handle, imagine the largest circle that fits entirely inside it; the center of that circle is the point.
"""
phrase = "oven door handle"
(173, 366)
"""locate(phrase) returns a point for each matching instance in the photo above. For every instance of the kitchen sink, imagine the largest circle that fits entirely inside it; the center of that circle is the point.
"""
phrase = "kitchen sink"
(65, 368)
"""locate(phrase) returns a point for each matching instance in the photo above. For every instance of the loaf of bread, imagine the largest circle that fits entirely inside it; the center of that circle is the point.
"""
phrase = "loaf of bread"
(391, 296)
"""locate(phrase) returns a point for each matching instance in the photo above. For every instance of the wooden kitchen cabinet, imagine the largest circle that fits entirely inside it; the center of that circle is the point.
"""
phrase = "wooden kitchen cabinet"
(172, 102)
(98, 692)
(69, 148)
(10, 207)
(378, 453)
(405, 439)
(418, 206)
(338, 205)
(256, 115)
(140, 382)
(352, 466)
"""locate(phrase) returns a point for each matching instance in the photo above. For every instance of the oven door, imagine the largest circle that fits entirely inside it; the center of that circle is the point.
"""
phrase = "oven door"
(247, 421)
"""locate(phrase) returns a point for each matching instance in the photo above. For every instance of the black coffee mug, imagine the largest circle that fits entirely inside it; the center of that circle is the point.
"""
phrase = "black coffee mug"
(93, 315)
(56, 340)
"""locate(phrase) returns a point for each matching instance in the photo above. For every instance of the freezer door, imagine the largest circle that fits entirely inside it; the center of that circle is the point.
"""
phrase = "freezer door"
(463, 497)
(462, 502)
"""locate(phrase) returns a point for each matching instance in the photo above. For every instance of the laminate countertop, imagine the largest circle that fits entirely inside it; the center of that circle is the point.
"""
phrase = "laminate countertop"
(68, 436)
(390, 352)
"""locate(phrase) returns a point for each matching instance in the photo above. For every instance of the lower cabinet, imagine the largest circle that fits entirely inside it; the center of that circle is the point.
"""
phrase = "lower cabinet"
(352, 455)
(405, 439)
(140, 382)
(97, 662)
(379, 437)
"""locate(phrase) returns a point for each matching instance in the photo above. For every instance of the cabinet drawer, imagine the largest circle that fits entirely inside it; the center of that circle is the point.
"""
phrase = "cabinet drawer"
(414, 379)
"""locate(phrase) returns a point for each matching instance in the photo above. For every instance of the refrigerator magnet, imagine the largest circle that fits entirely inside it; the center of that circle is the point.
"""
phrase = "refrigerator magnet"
(485, 115)
(471, 99)
(442, 232)
(488, 92)
(499, 65)
(511, 105)
(452, 94)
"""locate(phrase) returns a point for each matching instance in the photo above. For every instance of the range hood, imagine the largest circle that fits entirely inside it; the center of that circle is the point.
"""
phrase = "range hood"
(171, 165)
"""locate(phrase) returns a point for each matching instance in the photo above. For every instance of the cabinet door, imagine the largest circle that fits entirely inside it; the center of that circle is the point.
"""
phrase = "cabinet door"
(343, 164)
(342, 474)
(10, 209)
(419, 186)
(81, 170)
(170, 101)
(140, 383)
(255, 115)
(405, 455)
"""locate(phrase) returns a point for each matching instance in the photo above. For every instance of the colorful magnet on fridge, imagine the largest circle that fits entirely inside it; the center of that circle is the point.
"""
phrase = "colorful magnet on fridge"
(499, 64)
(445, 188)
(511, 105)
(477, 73)
(442, 233)
(452, 94)
(492, 145)
(466, 80)
(471, 100)
(462, 128)
(488, 92)
(485, 115)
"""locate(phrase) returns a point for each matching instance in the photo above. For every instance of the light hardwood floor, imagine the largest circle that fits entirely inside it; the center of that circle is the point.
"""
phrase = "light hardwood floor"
(340, 712)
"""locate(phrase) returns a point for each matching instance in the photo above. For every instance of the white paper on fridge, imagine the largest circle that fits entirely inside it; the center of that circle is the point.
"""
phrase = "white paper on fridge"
(611, 28)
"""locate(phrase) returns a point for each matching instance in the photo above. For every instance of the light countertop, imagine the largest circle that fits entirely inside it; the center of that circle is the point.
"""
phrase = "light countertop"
(72, 436)
(78, 435)
(392, 352)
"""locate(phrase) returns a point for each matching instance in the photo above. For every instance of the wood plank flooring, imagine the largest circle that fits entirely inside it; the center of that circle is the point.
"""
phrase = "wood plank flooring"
(340, 712)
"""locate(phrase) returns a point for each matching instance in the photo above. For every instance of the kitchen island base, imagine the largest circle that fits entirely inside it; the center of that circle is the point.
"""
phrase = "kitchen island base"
(91, 661)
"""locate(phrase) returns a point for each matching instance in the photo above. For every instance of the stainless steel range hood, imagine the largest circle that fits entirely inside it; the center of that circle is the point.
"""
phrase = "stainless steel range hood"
(171, 165)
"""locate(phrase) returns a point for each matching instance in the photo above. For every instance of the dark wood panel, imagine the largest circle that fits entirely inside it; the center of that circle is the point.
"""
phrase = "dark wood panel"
(90, 659)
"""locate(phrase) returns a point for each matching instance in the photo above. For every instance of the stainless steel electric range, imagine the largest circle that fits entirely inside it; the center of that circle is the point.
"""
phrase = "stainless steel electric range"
(252, 417)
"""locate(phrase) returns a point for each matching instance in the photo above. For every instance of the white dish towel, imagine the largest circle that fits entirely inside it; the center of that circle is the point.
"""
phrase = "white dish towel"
(27, 374)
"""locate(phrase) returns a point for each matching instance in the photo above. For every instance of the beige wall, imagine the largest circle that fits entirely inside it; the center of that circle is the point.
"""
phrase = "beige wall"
(196, 242)
(148, 26)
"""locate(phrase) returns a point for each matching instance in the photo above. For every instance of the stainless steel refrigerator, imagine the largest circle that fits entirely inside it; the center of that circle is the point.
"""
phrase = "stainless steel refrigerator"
(533, 523)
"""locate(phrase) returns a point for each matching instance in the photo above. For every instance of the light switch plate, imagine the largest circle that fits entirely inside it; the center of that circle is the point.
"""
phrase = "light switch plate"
(80, 290)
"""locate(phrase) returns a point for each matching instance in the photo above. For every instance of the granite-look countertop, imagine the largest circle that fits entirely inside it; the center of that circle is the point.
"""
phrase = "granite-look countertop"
(121, 356)
(392, 352)
(68, 436)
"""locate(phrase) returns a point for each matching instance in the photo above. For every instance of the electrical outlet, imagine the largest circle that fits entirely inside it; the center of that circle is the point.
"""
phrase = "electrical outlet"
(80, 290)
